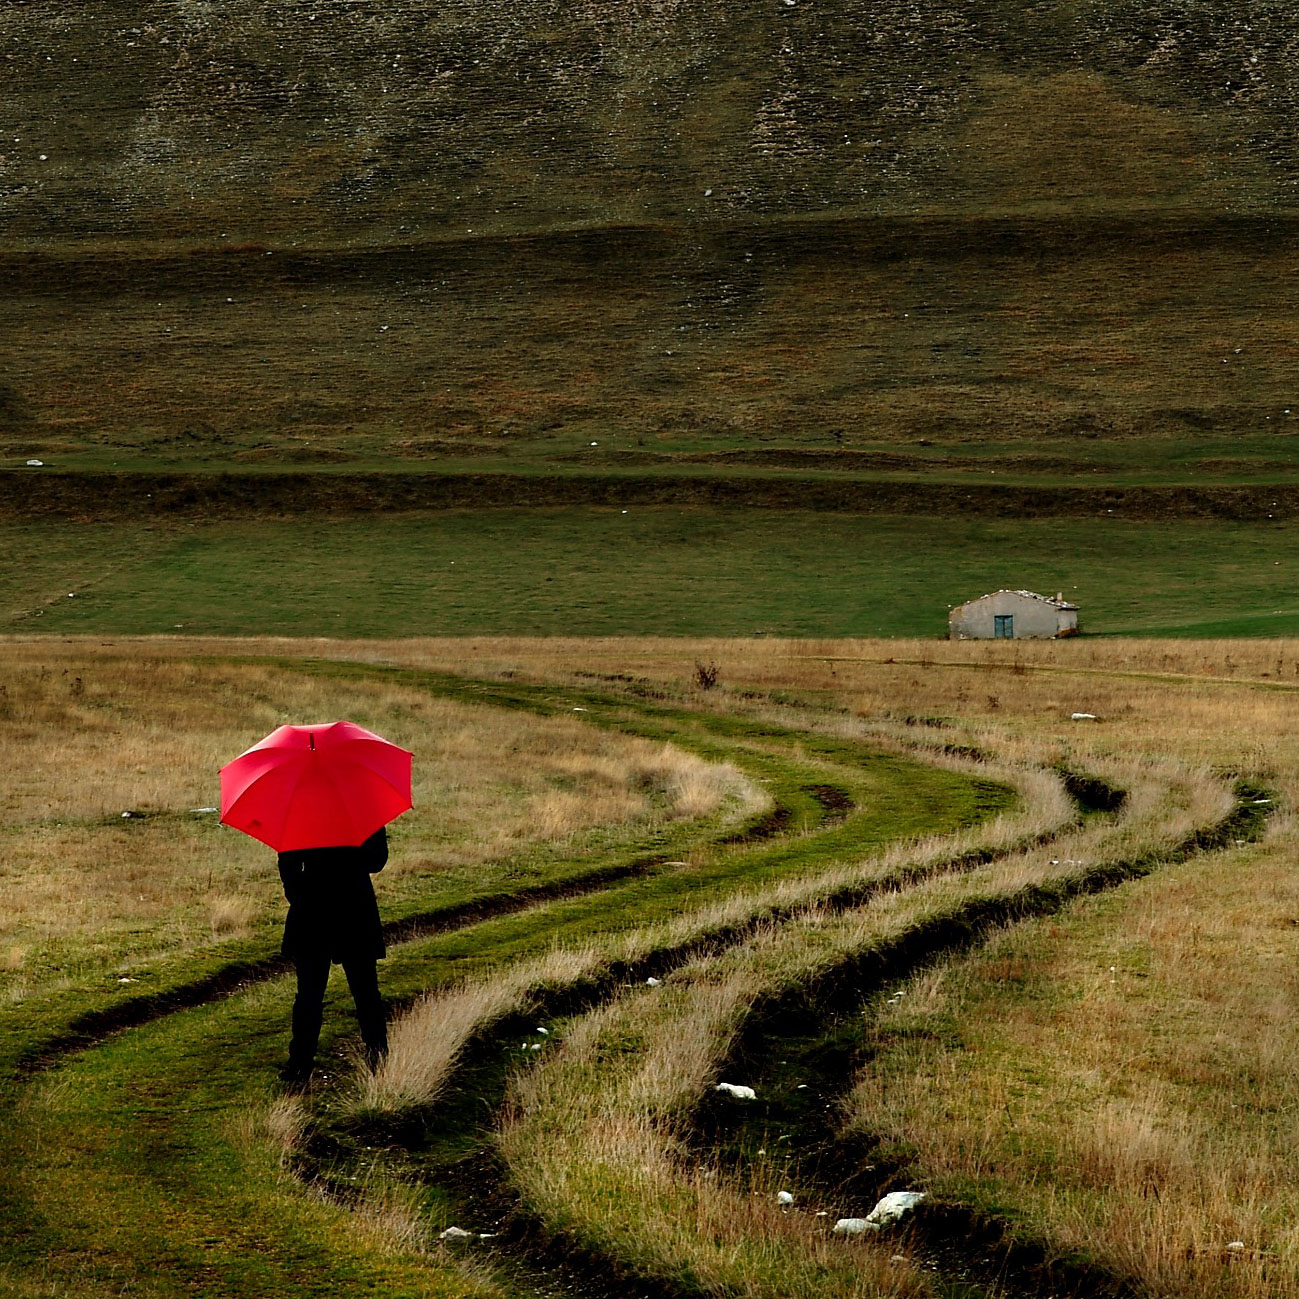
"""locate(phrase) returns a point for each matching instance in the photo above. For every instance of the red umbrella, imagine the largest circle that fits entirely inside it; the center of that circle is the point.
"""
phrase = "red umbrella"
(316, 786)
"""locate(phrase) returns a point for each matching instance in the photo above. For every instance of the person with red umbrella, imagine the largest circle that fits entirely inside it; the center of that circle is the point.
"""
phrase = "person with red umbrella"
(321, 796)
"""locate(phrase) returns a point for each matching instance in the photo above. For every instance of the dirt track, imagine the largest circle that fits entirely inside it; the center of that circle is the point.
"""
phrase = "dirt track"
(29, 494)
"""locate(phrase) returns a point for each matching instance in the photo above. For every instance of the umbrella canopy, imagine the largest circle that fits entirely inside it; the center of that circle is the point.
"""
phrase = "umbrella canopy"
(316, 786)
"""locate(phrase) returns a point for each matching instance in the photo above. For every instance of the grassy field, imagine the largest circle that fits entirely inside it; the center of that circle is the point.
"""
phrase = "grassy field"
(686, 572)
(912, 965)
(147, 731)
(658, 375)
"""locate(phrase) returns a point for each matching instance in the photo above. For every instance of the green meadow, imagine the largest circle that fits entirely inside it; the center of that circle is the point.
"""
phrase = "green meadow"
(662, 571)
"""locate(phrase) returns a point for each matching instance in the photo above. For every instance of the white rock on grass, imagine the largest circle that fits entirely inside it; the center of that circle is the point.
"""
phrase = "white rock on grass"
(456, 1234)
(738, 1091)
(784, 1197)
(1082, 717)
(895, 1205)
(849, 1227)
(892, 1208)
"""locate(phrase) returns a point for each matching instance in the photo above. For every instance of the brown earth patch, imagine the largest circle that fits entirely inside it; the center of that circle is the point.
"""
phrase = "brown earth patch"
(27, 494)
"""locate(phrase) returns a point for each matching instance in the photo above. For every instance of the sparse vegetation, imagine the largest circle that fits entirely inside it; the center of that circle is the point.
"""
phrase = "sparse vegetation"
(235, 237)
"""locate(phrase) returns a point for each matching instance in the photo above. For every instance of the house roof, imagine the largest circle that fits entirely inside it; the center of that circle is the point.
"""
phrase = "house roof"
(1056, 602)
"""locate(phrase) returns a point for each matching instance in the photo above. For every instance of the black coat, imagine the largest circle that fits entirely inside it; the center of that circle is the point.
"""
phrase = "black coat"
(332, 909)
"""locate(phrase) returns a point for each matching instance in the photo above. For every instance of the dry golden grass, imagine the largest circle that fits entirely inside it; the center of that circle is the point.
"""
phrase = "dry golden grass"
(592, 1144)
(284, 1123)
(425, 1040)
(389, 1211)
(1220, 702)
(592, 1140)
(1134, 1089)
(1172, 1172)
(1193, 698)
(1147, 1120)
(91, 731)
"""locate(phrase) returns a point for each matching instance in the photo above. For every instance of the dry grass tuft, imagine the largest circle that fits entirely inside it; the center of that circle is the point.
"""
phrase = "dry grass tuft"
(390, 1213)
(426, 1040)
(284, 1123)
(229, 916)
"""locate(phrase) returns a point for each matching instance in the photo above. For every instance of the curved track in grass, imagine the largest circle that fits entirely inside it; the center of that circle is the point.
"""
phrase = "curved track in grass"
(152, 1156)
(778, 1013)
(143, 1133)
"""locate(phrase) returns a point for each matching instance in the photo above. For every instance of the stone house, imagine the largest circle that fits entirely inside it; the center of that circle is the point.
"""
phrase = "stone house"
(1013, 615)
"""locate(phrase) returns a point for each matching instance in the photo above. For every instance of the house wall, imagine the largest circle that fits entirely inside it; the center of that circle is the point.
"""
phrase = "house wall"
(1034, 619)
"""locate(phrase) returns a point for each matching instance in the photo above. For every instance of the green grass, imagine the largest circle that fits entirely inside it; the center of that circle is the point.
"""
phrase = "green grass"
(130, 1174)
(899, 800)
(134, 1165)
(649, 571)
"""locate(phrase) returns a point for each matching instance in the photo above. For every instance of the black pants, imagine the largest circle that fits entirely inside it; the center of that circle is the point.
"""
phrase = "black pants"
(308, 1008)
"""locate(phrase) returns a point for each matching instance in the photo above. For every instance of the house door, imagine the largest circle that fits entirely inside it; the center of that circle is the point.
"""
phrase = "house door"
(1003, 626)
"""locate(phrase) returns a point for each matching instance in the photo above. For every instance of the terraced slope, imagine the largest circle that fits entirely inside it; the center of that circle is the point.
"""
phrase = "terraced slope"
(319, 232)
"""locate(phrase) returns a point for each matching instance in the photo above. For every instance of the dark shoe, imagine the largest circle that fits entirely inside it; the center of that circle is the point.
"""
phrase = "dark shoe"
(296, 1077)
(375, 1056)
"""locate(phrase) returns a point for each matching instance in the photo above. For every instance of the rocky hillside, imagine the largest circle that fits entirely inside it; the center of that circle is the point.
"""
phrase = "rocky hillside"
(196, 123)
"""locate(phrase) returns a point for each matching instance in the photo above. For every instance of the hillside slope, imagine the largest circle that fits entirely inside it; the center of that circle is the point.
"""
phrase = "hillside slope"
(345, 229)
(352, 120)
